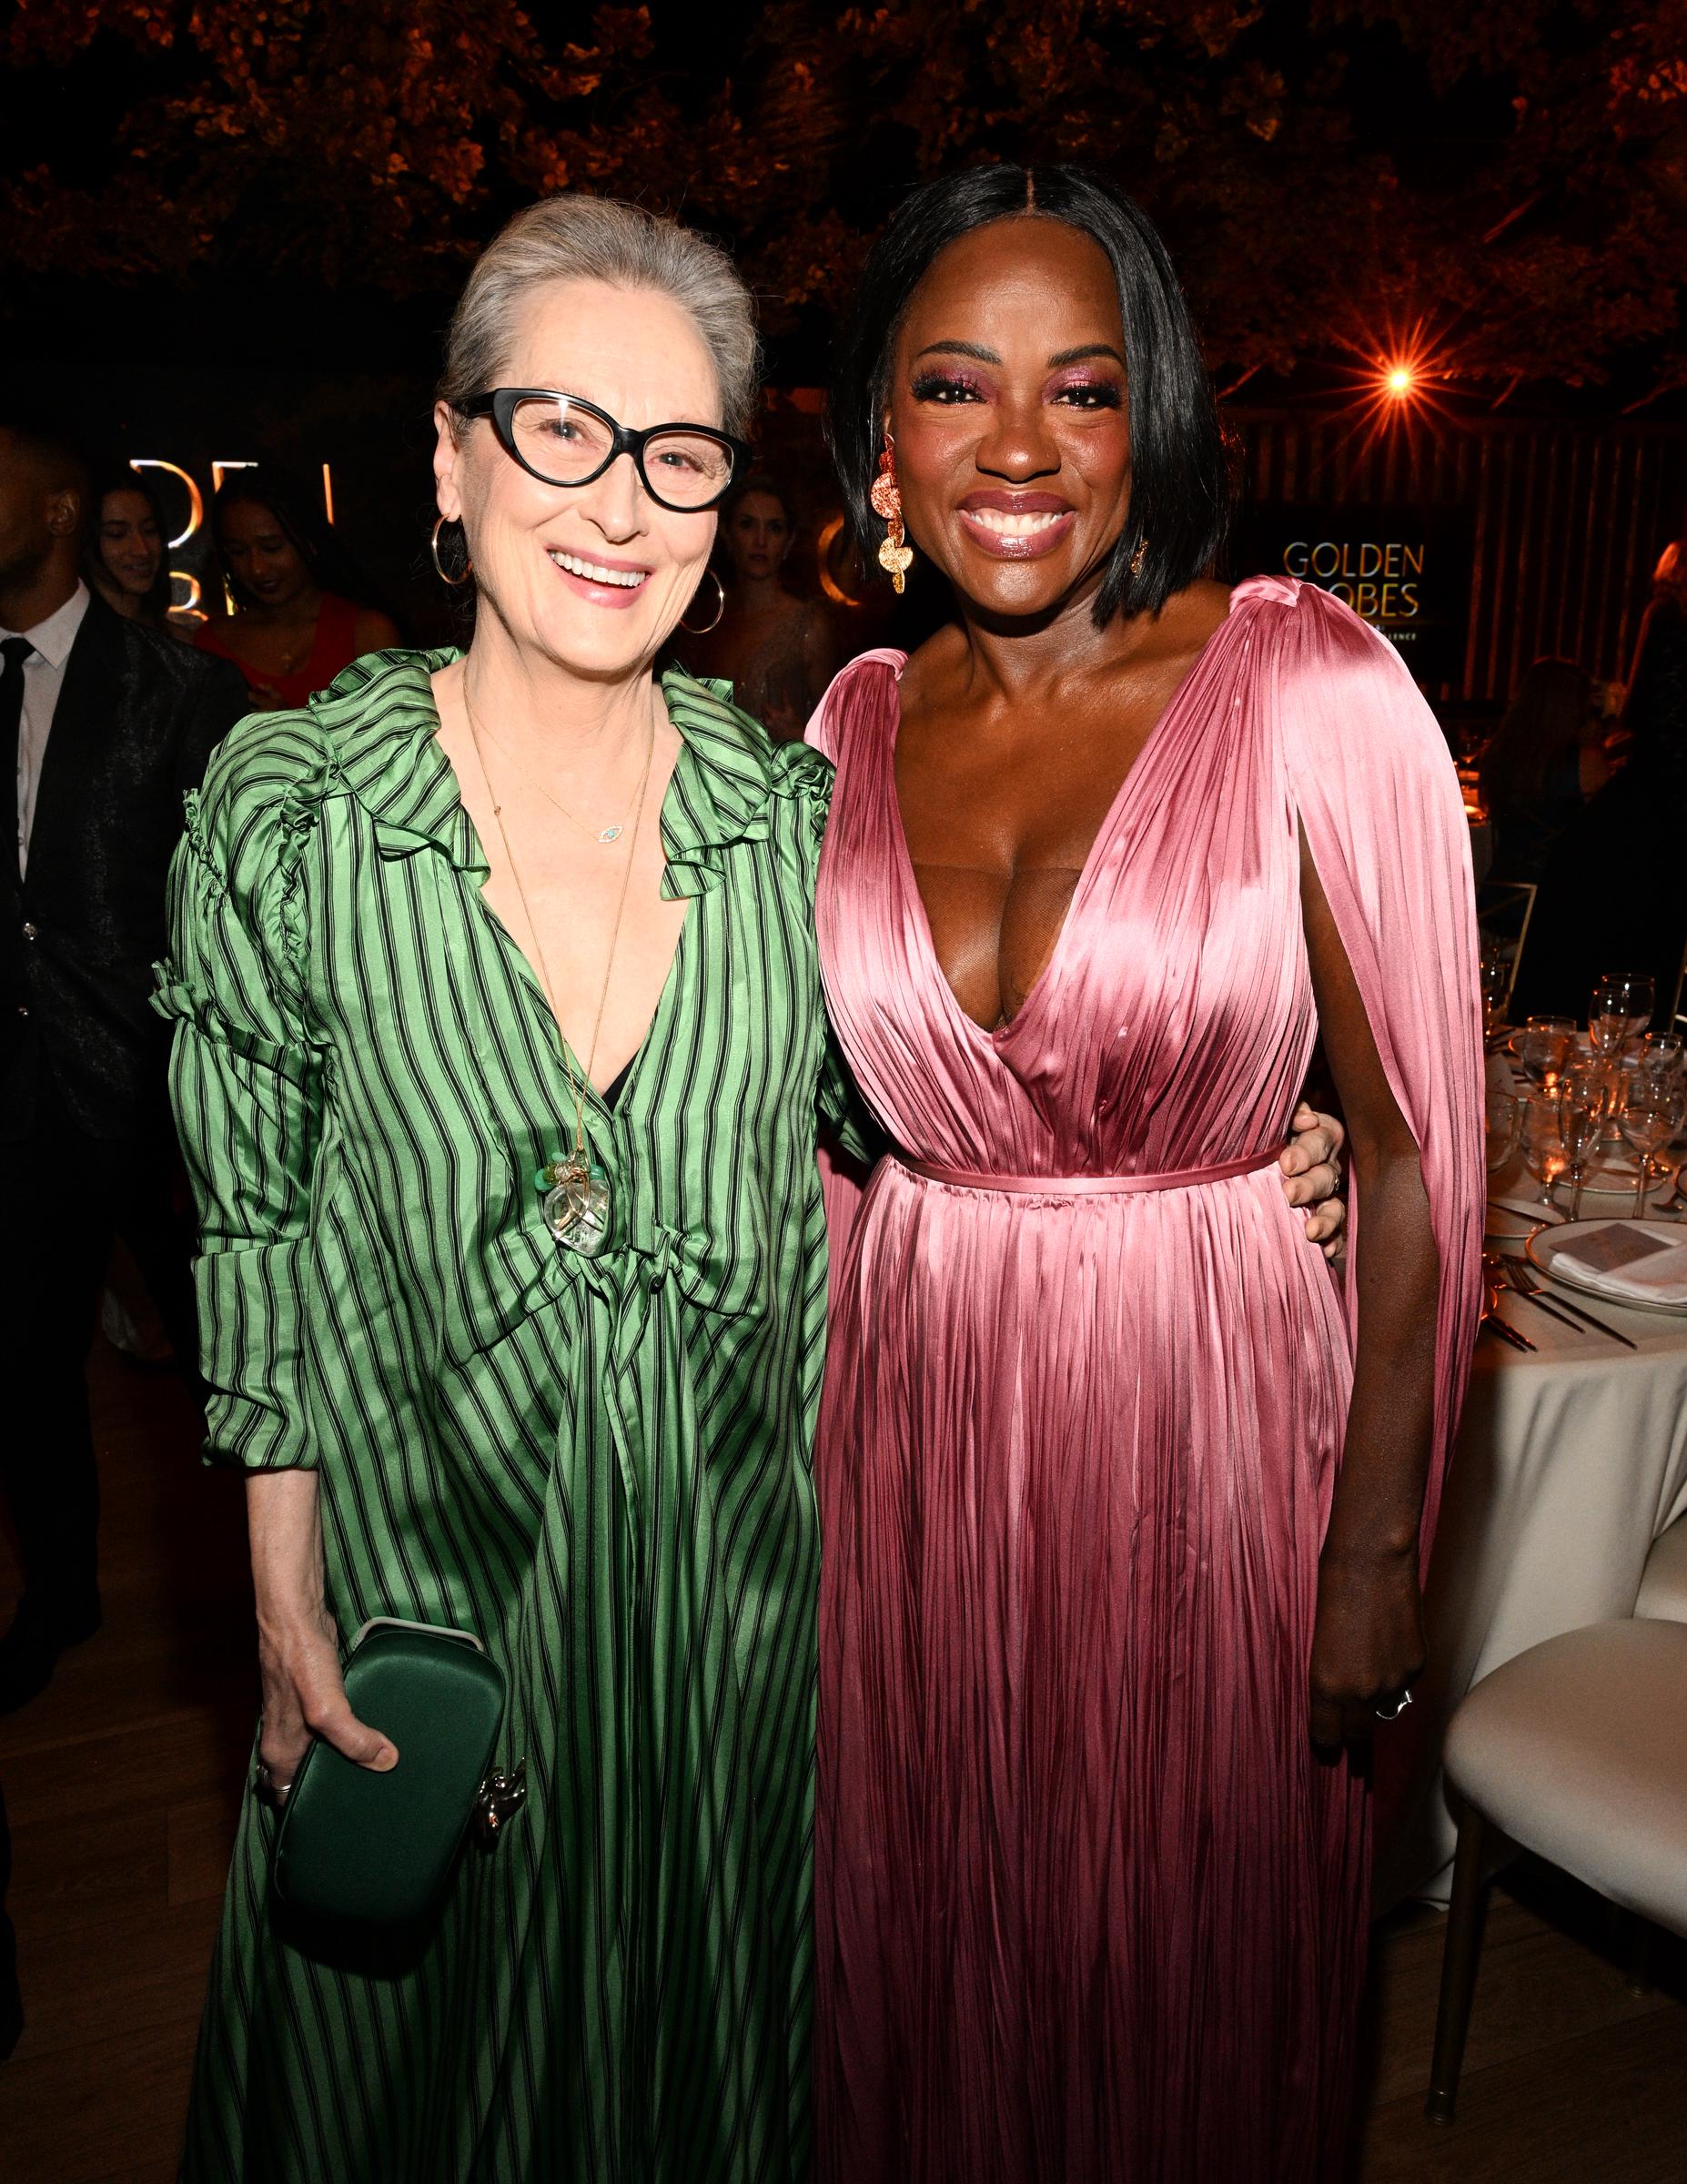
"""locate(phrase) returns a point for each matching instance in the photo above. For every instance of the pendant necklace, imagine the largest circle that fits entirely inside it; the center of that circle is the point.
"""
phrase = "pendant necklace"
(577, 1194)
(612, 832)
(298, 652)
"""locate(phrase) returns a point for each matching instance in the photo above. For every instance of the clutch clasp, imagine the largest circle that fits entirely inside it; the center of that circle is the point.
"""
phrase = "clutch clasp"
(500, 1797)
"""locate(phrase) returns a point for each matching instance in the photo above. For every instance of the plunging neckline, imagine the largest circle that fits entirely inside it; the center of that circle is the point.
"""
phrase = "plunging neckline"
(609, 1099)
(998, 1034)
(613, 1098)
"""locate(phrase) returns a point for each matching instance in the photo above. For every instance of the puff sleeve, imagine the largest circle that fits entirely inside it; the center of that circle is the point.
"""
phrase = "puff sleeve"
(245, 1083)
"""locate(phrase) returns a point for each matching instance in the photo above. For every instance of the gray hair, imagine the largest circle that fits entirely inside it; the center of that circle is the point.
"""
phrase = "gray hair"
(576, 237)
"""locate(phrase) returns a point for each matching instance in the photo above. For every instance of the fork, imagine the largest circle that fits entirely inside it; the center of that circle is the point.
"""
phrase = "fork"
(1514, 1281)
(1523, 1278)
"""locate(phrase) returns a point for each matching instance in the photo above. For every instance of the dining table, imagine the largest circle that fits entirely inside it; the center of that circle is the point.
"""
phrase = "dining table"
(1570, 1458)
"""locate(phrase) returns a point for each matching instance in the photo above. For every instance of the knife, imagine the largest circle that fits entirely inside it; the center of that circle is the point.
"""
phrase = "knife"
(1506, 1332)
(1519, 1268)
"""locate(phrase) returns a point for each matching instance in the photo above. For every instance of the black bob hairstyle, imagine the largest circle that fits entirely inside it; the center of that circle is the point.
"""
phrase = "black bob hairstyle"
(1180, 485)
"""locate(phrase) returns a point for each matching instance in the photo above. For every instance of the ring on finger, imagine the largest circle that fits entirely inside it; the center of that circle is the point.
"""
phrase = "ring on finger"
(1393, 1712)
(268, 1786)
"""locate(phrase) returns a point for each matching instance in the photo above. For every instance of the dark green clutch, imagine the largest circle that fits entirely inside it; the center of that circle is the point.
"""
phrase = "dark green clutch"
(379, 1849)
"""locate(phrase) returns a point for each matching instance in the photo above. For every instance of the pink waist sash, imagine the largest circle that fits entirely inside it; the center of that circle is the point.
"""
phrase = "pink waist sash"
(1061, 1187)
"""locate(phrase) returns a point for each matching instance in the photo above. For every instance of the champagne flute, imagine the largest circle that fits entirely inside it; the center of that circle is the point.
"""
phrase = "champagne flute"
(1543, 1049)
(1649, 1117)
(1543, 1142)
(1584, 1104)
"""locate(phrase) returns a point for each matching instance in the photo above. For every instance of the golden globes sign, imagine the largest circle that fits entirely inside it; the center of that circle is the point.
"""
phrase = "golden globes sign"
(1384, 582)
(1406, 571)
(178, 493)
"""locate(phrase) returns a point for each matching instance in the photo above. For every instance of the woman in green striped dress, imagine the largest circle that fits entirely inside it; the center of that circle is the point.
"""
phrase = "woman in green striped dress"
(498, 1051)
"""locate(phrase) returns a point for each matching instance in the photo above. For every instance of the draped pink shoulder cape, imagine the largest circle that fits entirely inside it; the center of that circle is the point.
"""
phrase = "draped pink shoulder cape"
(1087, 1906)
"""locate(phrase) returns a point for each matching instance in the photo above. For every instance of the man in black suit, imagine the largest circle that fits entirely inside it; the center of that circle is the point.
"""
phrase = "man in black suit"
(107, 723)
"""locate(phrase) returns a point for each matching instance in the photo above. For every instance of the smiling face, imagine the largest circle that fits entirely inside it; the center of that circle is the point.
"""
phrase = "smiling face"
(131, 544)
(757, 535)
(592, 576)
(262, 560)
(1008, 406)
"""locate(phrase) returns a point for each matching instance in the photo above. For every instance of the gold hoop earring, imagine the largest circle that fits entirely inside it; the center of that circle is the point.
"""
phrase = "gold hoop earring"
(895, 556)
(1136, 558)
(441, 570)
(701, 629)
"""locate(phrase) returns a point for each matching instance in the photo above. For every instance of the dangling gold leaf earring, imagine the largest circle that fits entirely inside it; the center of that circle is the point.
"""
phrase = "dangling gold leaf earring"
(1136, 558)
(893, 556)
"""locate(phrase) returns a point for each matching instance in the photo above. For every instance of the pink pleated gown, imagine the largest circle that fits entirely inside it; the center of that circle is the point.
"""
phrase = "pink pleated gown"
(1089, 1907)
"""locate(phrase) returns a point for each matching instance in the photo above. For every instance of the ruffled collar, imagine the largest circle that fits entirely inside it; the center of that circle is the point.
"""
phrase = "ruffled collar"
(379, 717)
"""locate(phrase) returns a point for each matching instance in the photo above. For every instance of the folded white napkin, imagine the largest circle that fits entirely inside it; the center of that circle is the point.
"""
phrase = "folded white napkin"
(1625, 1259)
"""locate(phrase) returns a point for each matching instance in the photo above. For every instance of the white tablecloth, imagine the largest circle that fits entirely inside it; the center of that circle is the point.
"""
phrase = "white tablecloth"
(1569, 1464)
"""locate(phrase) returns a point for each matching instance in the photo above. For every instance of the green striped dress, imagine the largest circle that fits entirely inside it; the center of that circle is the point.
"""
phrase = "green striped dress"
(602, 1466)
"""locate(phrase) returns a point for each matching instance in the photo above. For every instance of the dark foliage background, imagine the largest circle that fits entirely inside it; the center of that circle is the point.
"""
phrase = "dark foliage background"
(1513, 175)
(235, 227)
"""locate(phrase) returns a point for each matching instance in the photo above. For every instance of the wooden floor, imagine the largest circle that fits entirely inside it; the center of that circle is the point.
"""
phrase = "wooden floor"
(121, 1783)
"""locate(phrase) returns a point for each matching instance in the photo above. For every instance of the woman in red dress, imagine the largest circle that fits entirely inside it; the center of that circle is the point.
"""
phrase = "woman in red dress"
(290, 633)
(1123, 1504)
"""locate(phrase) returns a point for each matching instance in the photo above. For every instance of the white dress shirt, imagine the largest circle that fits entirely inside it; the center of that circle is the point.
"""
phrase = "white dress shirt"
(44, 678)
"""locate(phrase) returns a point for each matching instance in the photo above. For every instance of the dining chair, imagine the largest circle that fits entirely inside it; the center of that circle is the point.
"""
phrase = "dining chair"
(1663, 1588)
(1503, 911)
(1575, 1750)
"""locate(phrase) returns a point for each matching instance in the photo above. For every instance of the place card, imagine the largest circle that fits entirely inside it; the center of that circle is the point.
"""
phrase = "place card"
(1607, 1250)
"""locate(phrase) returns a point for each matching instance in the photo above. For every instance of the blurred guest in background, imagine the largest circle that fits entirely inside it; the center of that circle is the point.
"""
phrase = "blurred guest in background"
(106, 723)
(1545, 761)
(126, 555)
(1613, 895)
(296, 621)
(777, 650)
(1654, 713)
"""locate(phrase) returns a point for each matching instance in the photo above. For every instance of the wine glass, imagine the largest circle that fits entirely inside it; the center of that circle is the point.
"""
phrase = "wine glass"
(1620, 1009)
(1502, 1113)
(1543, 1142)
(1585, 1097)
(1649, 1114)
(1661, 1052)
(1543, 1049)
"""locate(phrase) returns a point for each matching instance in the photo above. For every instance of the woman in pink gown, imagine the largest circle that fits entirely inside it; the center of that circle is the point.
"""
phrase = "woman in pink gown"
(1090, 1904)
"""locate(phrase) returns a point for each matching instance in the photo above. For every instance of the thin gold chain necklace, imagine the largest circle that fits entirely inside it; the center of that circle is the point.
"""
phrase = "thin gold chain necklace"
(612, 832)
(577, 1200)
